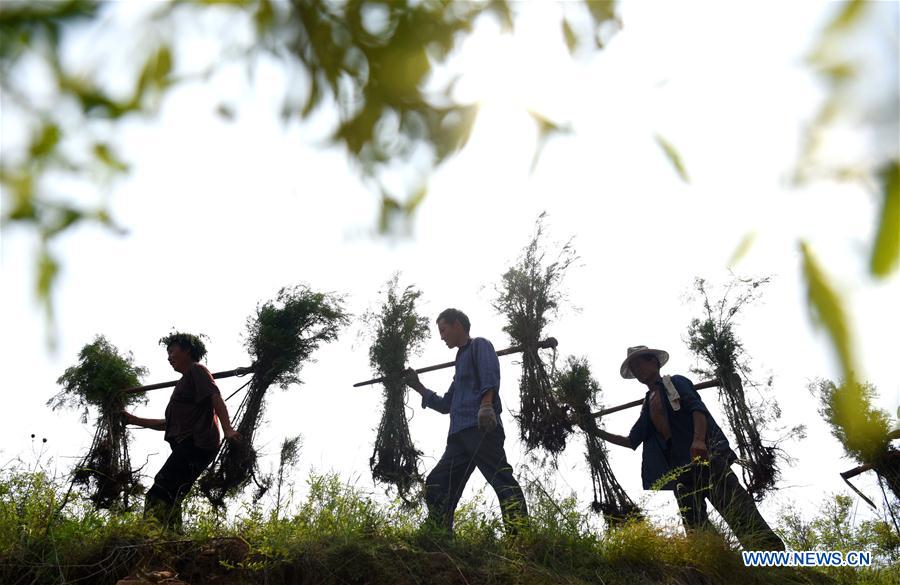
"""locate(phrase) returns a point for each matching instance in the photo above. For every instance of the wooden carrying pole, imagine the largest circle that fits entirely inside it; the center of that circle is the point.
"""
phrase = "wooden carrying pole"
(217, 375)
(612, 409)
(850, 473)
(548, 343)
(863, 468)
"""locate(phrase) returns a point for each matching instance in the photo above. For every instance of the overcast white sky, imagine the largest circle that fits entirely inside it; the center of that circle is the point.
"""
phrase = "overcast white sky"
(222, 214)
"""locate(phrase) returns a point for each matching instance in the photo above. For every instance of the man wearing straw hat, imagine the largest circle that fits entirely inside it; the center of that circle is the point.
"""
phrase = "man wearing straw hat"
(686, 451)
(475, 438)
(191, 428)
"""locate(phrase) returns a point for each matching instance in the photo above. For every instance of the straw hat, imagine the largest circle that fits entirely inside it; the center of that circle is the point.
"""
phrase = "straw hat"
(638, 350)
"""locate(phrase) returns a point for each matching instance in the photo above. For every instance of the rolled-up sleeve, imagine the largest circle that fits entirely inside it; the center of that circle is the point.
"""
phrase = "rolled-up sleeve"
(639, 431)
(488, 365)
(690, 400)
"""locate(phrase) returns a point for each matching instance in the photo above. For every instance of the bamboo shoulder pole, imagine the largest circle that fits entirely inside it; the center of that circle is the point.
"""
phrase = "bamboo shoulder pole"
(548, 343)
(626, 406)
(217, 376)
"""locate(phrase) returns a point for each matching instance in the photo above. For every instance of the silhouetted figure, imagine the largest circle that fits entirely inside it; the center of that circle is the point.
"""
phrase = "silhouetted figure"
(686, 451)
(476, 437)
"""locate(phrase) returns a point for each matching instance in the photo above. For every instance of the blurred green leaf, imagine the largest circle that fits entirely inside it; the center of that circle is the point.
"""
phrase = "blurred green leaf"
(238, 3)
(22, 186)
(547, 129)
(93, 101)
(313, 98)
(226, 112)
(413, 202)
(162, 66)
(374, 78)
(47, 271)
(886, 251)
(63, 218)
(570, 37)
(389, 209)
(454, 130)
(401, 72)
(358, 131)
(21, 23)
(103, 218)
(601, 10)
(848, 15)
(839, 72)
(45, 141)
(673, 157)
(264, 16)
(742, 248)
(501, 9)
(155, 73)
(546, 125)
(393, 211)
(827, 309)
(105, 154)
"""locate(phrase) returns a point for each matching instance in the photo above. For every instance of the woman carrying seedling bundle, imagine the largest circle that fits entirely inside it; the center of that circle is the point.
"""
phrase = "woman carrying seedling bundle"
(191, 428)
(476, 436)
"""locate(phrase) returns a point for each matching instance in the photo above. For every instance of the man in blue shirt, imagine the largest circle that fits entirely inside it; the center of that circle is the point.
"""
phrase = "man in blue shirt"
(686, 451)
(476, 435)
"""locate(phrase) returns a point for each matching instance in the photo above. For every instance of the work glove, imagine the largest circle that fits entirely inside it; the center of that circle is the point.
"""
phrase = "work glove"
(487, 418)
(411, 379)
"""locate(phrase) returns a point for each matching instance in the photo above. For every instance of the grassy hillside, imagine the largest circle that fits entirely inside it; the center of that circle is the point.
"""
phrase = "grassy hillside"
(338, 535)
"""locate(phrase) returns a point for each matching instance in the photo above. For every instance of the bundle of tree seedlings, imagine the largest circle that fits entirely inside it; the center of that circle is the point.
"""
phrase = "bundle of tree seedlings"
(721, 354)
(579, 391)
(399, 332)
(280, 337)
(528, 297)
(93, 384)
(863, 430)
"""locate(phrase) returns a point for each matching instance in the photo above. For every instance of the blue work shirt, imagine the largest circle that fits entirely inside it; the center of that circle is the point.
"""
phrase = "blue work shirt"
(477, 371)
(659, 457)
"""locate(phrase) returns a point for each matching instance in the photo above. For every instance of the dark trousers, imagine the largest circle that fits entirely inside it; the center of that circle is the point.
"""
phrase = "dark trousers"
(717, 483)
(173, 482)
(466, 450)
